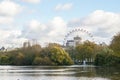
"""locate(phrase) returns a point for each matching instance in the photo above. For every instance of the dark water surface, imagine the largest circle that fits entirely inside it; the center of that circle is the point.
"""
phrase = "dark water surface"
(74, 72)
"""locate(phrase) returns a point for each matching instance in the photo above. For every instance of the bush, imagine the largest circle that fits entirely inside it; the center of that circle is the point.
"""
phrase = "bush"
(107, 59)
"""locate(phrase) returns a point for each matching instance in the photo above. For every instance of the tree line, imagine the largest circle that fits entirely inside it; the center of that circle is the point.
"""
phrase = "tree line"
(98, 54)
(110, 56)
(54, 54)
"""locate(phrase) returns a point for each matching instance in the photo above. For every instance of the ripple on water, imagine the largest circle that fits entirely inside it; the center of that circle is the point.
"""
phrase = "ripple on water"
(74, 72)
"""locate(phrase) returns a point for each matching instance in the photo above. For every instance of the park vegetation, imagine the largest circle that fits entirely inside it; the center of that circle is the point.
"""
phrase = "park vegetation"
(97, 54)
(54, 54)
(84, 51)
(111, 55)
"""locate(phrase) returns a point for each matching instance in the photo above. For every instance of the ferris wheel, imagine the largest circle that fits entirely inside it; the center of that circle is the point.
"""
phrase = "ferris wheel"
(84, 34)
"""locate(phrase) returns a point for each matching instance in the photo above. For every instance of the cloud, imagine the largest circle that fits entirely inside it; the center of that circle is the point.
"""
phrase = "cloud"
(9, 8)
(57, 25)
(35, 25)
(52, 31)
(66, 6)
(8, 11)
(10, 38)
(32, 1)
(6, 20)
(108, 21)
(102, 24)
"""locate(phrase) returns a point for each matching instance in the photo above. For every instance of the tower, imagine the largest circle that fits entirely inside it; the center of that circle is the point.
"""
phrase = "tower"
(74, 42)
(26, 44)
(77, 40)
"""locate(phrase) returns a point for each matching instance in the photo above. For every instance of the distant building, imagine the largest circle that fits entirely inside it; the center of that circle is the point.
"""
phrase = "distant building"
(30, 43)
(26, 44)
(70, 43)
(74, 42)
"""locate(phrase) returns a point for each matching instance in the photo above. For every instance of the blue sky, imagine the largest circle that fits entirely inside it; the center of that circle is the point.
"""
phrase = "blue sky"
(45, 10)
(47, 20)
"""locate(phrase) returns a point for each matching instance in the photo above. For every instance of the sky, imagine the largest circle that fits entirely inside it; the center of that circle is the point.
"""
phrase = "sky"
(50, 20)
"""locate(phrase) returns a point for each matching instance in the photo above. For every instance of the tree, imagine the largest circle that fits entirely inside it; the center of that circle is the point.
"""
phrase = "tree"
(115, 44)
(36, 49)
(38, 61)
(20, 59)
(72, 52)
(53, 54)
(4, 60)
(86, 51)
(106, 57)
(54, 44)
(59, 56)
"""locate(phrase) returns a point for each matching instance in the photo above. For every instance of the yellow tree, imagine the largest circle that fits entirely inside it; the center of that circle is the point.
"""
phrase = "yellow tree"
(59, 56)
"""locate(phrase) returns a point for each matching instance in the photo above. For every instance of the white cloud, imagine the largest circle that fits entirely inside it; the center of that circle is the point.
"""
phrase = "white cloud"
(57, 25)
(108, 21)
(10, 38)
(53, 31)
(6, 20)
(32, 1)
(9, 8)
(66, 6)
(101, 23)
(35, 25)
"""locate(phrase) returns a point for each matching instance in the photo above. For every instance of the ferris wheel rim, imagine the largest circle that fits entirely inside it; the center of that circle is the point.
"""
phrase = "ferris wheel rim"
(77, 30)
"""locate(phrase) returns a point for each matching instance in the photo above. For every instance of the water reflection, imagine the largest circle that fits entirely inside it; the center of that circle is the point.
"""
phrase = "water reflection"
(75, 72)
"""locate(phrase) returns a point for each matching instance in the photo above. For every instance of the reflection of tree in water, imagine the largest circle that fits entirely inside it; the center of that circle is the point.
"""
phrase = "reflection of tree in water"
(103, 72)
(112, 73)
(86, 72)
(108, 72)
(82, 72)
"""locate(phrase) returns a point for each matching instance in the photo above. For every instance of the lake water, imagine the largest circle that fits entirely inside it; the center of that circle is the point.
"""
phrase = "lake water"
(74, 72)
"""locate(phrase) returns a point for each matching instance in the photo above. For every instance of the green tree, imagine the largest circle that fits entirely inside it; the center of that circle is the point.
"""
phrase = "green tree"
(86, 51)
(106, 57)
(38, 61)
(20, 59)
(29, 57)
(115, 44)
(72, 52)
(4, 60)
(53, 54)
(42, 61)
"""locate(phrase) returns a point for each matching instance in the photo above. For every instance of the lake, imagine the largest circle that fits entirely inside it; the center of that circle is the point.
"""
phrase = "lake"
(73, 72)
